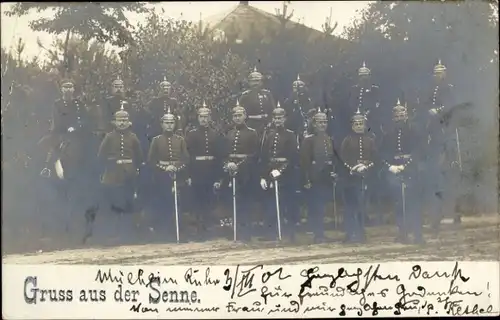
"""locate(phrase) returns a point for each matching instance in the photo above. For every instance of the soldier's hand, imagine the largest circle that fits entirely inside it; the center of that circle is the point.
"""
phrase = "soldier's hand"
(217, 185)
(232, 166)
(171, 168)
(361, 168)
(263, 184)
(333, 175)
(394, 169)
(401, 168)
(188, 181)
(71, 129)
(119, 161)
(433, 111)
(275, 174)
(307, 185)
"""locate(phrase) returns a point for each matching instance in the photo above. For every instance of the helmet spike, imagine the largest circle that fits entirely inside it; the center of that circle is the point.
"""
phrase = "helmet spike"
(399, 103)
(237, 102)
(364, 64)
(255, 69)
(298, 77)
(164, 78)
(204, 104)
(278, 105)
(122, 103)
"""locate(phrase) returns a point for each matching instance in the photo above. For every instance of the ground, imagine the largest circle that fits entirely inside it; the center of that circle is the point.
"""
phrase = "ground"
(476, 239)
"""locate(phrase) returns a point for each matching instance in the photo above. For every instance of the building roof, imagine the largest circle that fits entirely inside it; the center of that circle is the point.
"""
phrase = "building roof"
(239, 20)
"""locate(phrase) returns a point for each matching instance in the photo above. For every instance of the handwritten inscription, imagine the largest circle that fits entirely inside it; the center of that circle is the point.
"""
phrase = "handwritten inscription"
(424, 289)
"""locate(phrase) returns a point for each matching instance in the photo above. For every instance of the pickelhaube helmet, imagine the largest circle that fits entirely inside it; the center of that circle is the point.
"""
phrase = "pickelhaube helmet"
(67, 83)
(398, 108)
(358, 116)
(439, 68)
(204, 110)
(298, 83)
(118, 81)
(121, 114)
(320, 115)
(168, 117)
(255, 75)
(278, 110)
(364, 71)
(165, 83)
(238, 108)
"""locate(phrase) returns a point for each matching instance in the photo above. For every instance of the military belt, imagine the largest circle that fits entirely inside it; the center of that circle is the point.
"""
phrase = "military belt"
(326, 162)
(278, 159)
(402, 156)
(258, 116)
(167, 163)
(238, 156)
(125, 160)
(205, 158)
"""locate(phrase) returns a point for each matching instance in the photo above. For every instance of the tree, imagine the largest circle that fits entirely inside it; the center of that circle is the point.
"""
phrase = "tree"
(103, 21)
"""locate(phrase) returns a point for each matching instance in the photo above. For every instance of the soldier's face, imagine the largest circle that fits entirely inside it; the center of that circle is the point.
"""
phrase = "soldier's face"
(358, 126)
(118, 88)
(67, 90)
(440, 75)
(239, 118)
(320, 124)
(399, 117)
(364, 77)
(279, 121)
(298, 88)
(168, 125)
(254, 83)
(122, 123)
(204, 119)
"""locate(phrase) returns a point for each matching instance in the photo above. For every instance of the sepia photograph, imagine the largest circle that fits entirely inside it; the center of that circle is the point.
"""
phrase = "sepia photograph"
(250, 132)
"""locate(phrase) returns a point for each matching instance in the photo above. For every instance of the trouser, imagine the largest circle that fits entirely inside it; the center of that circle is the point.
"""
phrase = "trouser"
(409, 217)
(355, 210)
(203, 203)
(316, 199)
(162, 207)
(289, 210)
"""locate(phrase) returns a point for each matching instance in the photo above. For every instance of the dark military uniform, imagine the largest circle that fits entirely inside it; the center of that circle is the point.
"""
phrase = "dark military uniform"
(280, 152)
(366, 98)
(297, 107)
(259, 105)
(400, 148)
(204, 146)
(167, 149)
(160, 106)
(120, 179)
(317, 163)
(356, 149)
(241, 147)
(73, 125)
(441, 151)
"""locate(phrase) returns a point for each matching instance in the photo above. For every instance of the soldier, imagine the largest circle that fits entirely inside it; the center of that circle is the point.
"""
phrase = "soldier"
(358, 152)
(159, 106)
(241, 147)
(365, 96)
(72, 127)
(444, 159)
(258, 103)
(400, 155)
(121, 154)
(279, 161)
(113, 103)
(204, 146)
(296, 107)
(168, 158)
(317, 163)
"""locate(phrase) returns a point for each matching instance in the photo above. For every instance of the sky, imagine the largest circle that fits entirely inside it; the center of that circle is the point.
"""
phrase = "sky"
(310, 13)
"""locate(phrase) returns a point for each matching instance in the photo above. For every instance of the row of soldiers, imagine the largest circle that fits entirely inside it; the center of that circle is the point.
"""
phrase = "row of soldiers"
(271, 153)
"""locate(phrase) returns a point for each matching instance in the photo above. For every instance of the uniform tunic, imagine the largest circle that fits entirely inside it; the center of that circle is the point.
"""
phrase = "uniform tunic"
(120, 145)
(259, 105)
(297, 107)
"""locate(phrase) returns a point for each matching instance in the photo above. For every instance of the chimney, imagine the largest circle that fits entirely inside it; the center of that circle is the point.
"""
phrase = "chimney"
(244, 3)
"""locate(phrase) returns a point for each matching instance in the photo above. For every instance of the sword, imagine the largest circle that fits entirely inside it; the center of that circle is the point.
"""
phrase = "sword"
(362, 218)
(403, 188)
(276, 193)
(458, 150)
(234, 208)
(174, 177)
(335, 218)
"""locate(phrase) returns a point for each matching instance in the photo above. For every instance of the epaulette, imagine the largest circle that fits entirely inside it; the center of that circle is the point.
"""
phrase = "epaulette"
(251, 129)
(288, 130)
(245, 92)
(193, 130)
(266, 90)
(308, 135)
(450, 85)
(374, 86)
